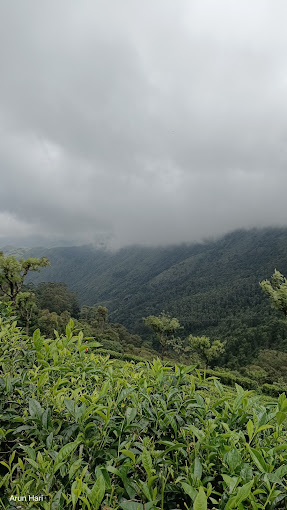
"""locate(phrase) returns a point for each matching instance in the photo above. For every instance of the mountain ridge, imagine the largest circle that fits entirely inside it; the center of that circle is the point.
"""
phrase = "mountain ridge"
(211, 287)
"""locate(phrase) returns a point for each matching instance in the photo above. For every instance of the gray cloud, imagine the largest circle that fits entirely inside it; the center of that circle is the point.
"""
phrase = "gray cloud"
(153, 122)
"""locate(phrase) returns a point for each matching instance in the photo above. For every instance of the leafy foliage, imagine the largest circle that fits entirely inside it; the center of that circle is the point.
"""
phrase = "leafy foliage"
(89, 432)
(210, 351)
(163, 326)
(277, 291)
(25, 303)
(13, 273)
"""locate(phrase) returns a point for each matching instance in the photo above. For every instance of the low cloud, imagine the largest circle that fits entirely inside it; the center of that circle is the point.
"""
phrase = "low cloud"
(142, 122)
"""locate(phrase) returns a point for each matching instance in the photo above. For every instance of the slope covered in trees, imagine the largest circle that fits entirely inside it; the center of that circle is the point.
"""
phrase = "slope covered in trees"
(212, 288)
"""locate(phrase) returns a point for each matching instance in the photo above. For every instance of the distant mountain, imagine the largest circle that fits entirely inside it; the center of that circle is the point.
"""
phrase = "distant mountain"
(212, 287)
(100, 240)
(14, 251)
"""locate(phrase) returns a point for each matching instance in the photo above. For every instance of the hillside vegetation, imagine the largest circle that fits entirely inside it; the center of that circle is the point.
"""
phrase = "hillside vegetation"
(212, 288)
(81, 431)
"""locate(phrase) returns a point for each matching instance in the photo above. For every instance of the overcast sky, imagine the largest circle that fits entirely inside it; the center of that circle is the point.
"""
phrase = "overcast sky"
(153, 122)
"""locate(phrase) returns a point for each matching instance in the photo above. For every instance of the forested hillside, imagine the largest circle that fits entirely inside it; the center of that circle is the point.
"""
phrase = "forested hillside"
(86, 423)
(212, 287)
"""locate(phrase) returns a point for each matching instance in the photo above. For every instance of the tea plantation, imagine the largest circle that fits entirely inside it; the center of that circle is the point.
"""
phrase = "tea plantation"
(81, 431)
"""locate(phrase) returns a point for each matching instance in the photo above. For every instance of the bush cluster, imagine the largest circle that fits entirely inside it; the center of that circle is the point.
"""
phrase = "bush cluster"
(87, 433)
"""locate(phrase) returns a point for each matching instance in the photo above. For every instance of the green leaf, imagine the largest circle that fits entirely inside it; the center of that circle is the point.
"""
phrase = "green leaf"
(36, 335)
(263, 427)
(45, 416)
(280, 417)
(64, 453)
(129, 454)
(97, 493)
(200, 502)
(5, 478)
(76, 490)
(74, 468)
(35, 408)
(134, 505)
(49, 440)
(124, 394)
(68, 332)
(218, 386)
(82, 498)
(114, 470)
(173, 446)
(30, 451)
(281, 471)
(259, 460)
(94, 344)
(43, 379)
(197, 468)
(190, 491)
(243, 492)
(56, 500)
(282, 402)
(130, 414)
(131, 505)
(106, 476)
(233, 459)
(33, 463)
(231, 482)
(198, 433)
(70, 405)
(146, 491)
(250, 429)
(147, 461)
(246, 473)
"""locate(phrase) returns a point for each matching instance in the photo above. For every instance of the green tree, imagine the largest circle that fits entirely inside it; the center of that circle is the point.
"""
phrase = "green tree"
(88, 314)
(276, 289)
(97, 317)
(102, 317)
(50, 321)
(164, 327)
(56, 297)
(13, 273)
(25, 302)
(207, 350)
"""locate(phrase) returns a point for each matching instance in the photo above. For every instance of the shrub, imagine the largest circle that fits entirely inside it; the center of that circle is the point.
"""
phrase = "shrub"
(87, 432)
(273, 390)
(230, 379)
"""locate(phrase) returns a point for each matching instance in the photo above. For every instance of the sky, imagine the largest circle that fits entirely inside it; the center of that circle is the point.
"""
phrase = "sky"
(142, 122)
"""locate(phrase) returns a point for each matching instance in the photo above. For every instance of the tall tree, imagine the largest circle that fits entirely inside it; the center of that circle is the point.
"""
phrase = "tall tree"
(25, 302)
(164, 327)
(208, 351)
(13, 273)
(276, 289)
(102, 317)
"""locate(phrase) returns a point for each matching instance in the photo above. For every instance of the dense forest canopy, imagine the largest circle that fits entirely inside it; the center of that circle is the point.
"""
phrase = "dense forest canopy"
(212, 288)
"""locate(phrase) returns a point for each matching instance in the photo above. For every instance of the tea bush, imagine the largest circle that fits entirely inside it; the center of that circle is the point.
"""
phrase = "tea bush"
(230, 379)
(87, 433)
(273, 389)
